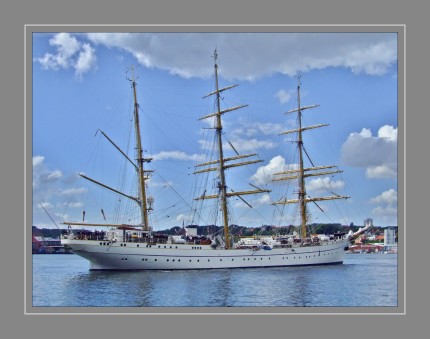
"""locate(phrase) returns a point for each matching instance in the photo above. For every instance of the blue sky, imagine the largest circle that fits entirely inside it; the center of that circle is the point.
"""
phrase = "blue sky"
(80, 85)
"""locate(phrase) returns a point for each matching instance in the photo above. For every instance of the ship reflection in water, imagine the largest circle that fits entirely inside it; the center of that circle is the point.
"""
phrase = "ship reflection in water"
(66, 281)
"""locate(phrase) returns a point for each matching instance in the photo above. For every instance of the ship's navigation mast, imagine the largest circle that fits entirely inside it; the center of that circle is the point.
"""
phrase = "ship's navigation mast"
(302, 172)
(223, 194)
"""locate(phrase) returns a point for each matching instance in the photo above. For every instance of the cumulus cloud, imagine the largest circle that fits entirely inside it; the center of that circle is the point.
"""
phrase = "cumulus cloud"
(251, 129)
(325, 183)
(378, 154)
(264, 174)
(184, 218)
(189, 54)
(249, 136)
(260, 201)
(387, 206)
(52, 190)
(247, 145)
(388, 197)
(284, 96)
(175, 155)
(69, 53)
(385, 212)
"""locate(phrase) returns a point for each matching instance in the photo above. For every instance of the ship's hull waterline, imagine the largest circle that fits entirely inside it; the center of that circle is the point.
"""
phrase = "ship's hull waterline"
(104, 255)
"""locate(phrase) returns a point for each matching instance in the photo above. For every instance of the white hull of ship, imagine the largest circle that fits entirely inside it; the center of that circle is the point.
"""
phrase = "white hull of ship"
(104, 255)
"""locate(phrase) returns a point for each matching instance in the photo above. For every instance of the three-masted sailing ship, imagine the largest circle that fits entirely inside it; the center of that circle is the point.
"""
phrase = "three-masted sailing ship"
(137, 247)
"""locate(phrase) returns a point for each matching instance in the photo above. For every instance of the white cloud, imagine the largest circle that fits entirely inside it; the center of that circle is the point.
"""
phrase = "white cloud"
(189, 54)
(264, 174)
(184, 217)
(378, 154)
(385, 213)
(388, 197)
(69, 53)
(175, 155)
(46, 205)
(387, 209)
(74, 204)
(246, 145)
(284, 96)
(383, 171)
(51, 176)
(41, 175)
(86, 60)
(263, 200)
(53, 190)
(325, 183)
(251, 129)
(260, 201)
(388, 132)
(73, 191)
(38, 160)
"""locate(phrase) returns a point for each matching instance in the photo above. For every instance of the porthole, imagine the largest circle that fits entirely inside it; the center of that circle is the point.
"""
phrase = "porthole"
(137, 245)
(155, 259)
(101, 243)
(190, 260)
(167, 259)
(198, 260)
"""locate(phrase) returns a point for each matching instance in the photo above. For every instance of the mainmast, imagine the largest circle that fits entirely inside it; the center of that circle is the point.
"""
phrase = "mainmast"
(302, 172)
(223, 194)
(223, 187)
(302, 189)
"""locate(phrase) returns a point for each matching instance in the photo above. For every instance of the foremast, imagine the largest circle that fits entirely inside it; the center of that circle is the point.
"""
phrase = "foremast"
(140, 160)
(222, 162)
(141, 199)
(302, 172)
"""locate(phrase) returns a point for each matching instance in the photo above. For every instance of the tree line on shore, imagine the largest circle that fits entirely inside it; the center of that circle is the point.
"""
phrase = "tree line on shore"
(235, 230)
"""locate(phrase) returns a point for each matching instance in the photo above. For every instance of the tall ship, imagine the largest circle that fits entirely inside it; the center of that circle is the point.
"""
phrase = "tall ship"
(138, 247)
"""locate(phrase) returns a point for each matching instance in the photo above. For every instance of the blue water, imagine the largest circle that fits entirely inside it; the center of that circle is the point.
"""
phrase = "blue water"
(363, 280)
